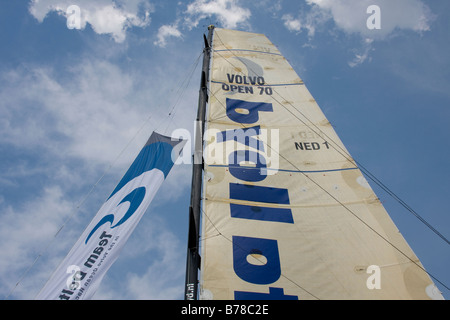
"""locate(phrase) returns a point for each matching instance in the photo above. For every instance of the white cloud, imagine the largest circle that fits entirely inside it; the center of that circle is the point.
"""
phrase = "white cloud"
(229, 13)
(86, 112)
(166, 31)
(105, 16)
(163, 276)
(361, 57)
(308, 21)
(292, 24)
(91, 112)
(351, 15)
(22, 241)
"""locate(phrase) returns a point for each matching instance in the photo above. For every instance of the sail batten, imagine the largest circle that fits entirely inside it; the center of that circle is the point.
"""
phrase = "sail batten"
(287, 213)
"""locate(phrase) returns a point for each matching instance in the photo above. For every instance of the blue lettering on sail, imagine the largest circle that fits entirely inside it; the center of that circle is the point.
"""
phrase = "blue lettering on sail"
(258, 193)
(246, 112)
(251, 113)
(263, 195)
(261, 213)
(258, 274)
(247, 173)
(274, 294)
(244, 136)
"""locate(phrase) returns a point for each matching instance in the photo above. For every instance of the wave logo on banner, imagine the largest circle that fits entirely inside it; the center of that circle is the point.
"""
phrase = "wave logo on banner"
(135, 199)
(163, 155)
(100, 244)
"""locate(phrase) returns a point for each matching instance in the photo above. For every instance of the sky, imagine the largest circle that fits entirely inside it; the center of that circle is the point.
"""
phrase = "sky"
(79, 98)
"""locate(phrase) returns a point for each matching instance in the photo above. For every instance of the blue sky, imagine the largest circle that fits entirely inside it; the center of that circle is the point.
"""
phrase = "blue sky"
(76, 106)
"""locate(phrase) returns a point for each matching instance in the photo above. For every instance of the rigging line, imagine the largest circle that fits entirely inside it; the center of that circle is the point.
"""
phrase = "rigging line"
(88, 194)
(243, 249)
(403, 203)
(343, 205)
(188, 77)
(181, 88)
(346, 154)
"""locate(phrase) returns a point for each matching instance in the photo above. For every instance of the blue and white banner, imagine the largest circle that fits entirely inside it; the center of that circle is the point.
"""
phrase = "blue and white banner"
(81, 272)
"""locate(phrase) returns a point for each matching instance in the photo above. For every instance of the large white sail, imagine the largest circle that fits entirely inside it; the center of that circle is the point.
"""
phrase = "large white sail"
(81, 272)
(287, 214)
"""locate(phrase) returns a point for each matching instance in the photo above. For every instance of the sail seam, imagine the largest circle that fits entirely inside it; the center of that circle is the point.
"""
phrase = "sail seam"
(248, 50)
(292, 205)
(264, 85)
(286, 170)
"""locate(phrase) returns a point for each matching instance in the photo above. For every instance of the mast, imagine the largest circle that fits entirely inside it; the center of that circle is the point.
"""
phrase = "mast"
(193, 257)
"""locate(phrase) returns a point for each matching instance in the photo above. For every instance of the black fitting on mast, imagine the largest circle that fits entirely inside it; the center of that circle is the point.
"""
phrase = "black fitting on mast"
(193, 256)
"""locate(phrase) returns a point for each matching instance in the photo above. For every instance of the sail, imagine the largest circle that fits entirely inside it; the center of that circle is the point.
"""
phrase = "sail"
(286, 212)
(81, 272)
